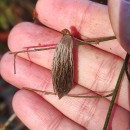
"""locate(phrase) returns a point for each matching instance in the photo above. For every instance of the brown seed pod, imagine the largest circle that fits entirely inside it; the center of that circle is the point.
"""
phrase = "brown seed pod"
(62, 67)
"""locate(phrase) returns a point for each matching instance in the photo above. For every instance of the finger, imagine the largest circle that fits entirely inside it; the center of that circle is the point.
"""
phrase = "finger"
(86, 112)
(80, 14)
(120, 18)
(94, 68)
(42, 77)
(89, 19)
(37, 114)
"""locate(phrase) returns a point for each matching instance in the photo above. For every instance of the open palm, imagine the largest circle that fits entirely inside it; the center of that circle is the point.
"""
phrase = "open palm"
(96, 68)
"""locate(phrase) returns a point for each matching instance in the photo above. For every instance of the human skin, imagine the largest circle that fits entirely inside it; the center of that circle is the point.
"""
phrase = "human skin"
(121, 28)
(96, 68)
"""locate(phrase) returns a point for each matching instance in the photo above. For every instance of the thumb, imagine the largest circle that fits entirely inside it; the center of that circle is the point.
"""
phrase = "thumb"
(119, 11)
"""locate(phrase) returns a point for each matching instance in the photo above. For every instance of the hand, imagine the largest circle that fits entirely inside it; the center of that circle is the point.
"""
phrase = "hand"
(96, 68)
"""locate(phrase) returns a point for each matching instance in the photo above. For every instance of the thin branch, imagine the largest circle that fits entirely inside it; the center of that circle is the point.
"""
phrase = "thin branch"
(8, 122)
(69, 95)
(33, 50)
(115, 92)
(95, 41)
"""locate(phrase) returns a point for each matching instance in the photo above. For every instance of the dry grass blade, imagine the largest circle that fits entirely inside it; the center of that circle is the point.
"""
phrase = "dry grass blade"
(8, 122)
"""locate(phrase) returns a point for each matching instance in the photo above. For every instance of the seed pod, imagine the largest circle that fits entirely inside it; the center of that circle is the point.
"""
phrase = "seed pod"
(62, 67)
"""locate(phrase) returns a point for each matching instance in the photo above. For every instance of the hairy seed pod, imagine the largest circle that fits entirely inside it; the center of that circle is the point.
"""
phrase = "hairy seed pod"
(62, 67)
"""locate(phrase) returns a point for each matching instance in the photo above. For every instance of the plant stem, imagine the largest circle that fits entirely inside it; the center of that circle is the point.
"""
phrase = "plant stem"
(69, 95)
(8, 122)
(115, 92)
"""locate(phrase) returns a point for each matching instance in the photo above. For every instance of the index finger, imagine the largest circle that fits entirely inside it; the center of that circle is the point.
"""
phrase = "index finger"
(89, 19)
